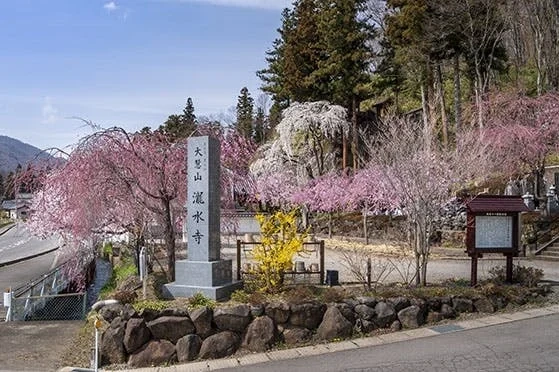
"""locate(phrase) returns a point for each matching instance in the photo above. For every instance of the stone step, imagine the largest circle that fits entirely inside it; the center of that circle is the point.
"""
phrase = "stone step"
(551, 253)
(547, 258)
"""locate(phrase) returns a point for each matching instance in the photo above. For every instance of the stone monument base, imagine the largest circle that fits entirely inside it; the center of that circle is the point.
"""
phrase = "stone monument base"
(174, 290)
(193, 277)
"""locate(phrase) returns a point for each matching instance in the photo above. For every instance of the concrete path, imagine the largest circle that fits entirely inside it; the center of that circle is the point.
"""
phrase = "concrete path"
(18, 244)
(521, 341)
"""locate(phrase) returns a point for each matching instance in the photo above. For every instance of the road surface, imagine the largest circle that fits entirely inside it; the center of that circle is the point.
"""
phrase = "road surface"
(527, 345)
(17, 242)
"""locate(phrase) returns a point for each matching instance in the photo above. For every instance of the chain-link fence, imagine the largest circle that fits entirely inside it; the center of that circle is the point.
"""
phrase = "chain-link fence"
(71, 306)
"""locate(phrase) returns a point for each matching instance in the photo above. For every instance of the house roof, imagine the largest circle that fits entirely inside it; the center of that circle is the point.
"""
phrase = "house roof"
(496, 203)
(9, 205)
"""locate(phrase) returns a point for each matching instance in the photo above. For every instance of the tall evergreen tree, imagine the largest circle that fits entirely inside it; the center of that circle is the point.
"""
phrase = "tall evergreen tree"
(260, 126)
(245, 113)
(182, 125)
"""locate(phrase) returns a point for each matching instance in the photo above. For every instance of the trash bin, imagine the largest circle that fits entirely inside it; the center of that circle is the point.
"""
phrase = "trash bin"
(332, 277)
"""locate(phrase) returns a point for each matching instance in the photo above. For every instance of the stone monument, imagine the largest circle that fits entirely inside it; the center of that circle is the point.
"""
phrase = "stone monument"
(203, 271)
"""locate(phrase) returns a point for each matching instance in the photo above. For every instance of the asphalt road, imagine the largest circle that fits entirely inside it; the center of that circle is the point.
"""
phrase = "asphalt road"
(528, 345)
(17, 242)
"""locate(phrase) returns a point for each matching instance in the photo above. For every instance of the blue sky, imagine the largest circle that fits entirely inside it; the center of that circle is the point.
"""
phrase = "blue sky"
(128, 63)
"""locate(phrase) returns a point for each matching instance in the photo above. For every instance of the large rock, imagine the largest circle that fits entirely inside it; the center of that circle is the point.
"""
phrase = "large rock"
(367, 300)
(447, 311)
(364, 326)
(171, 328)
(434, 317)
(260, 334)
(110, 312)
(296, 335)
(174, 312)
(278, 311)
(411, 317)
(399, 303)
(220, 345)
(128, 312)
(307, 315)
(462, 305)
(202, 319)
(234, 318)
(136, 334)
(188, 348)
(385, 314)
(154, 353)
(364, 312)
(484, 305)
(112, 346)
(334, 325)
(148, 314)
(346, 310)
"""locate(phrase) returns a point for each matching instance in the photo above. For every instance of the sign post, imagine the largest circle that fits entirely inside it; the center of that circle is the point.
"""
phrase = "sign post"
(493, 225)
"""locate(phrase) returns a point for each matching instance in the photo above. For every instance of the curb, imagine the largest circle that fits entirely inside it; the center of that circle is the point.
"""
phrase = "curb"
(7, 263)
(332, 347)
(7, 229)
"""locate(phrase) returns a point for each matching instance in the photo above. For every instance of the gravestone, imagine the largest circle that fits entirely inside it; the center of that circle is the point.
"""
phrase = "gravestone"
(203, 271)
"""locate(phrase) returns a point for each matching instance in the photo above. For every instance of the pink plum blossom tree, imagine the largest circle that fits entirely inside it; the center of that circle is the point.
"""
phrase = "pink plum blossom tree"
(524, 131)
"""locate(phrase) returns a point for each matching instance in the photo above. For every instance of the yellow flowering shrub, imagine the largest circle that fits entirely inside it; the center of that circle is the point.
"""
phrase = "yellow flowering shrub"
(280, 242)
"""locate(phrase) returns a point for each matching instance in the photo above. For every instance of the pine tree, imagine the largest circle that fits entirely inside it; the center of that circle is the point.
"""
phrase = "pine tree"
(188, 118)
(260, 126)
(245, 113)
(181, 126)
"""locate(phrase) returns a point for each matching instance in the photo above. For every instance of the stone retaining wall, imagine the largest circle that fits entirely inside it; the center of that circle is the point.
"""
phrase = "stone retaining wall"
(152, 338)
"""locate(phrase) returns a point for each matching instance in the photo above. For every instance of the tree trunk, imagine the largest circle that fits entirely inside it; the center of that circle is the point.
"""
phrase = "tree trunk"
(365, 232)
(329, 225)
(344, 151)
(425, 117)
(169, 232)
(457, 96)
(440, 93)
(354, 130)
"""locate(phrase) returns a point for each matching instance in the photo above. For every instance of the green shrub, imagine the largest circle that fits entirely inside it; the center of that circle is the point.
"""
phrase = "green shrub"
(150, 304)
(199, 300)
(524, 275)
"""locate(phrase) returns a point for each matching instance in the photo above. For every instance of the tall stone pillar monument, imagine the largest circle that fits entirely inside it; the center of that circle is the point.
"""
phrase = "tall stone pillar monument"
(203, 271)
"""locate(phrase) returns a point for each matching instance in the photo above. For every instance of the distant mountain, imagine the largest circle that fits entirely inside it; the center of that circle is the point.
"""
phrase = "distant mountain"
(14, 152)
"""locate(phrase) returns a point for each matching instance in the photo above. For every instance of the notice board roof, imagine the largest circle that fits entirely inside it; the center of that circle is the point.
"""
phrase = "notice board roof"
(496, 203)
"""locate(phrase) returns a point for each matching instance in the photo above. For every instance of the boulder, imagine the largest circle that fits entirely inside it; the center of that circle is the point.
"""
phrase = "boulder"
(434, 304)
(148, 314)
(128, 312)
(136, 334)
(307, 315)
(278, 311)
(171, 328)
(109, 312)
(260, 334)
(351, 302)
(421, 303)
(396, 326)
(256, 310)
(202, 318)
(399, 303)
(366, 300)
(188, 348)
(112, 346)
(174, 312)
(411, 317)
(364, 326)
(154, 353)
(499, 302)
(434, 317)
(333, 325)
(462, 305)
(483, 305)
(296, 335)
(346, 310)
(220, 345)
(364, 312)
(447, 312)
(385, 314)
(234, 318)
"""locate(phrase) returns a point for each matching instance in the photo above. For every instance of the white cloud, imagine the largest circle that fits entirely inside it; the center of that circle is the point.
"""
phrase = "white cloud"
(110, 6)
(264, 4)
(49, 112)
